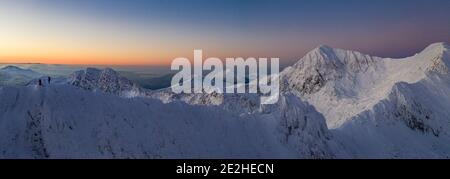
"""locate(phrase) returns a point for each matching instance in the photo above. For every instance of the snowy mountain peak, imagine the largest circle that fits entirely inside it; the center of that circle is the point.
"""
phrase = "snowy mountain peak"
(351, 70)
(324, 49)
(337, 80)
(439, 50)
(94, 72)
(106, 80)
(324, 64)
(320, 53)
(439, 46)
(436, 58)
(332, 58)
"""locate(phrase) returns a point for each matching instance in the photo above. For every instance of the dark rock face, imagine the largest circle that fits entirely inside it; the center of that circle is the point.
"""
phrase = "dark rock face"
(312, 84)
(419, 121)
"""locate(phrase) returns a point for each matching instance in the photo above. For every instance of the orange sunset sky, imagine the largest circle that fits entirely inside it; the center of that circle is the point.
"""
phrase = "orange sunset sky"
(153, 32)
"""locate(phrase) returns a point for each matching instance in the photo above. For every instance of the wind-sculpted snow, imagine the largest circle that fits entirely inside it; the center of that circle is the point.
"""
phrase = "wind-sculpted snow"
(325, 65)
(341, 83)
(106, 80)
(334, 103)
(412, 122)
(379, 107)
(62, 121)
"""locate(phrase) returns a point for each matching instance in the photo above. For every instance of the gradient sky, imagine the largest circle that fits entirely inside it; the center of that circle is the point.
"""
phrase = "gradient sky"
(153, 32)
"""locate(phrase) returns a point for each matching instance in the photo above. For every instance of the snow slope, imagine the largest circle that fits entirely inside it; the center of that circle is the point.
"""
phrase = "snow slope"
(412, 122)
(375, 107)
(342, 83)
(334, 104)
(63, 121)
(379, 107)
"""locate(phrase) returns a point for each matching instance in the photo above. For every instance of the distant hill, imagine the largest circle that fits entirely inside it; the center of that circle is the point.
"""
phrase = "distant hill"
(13, 75)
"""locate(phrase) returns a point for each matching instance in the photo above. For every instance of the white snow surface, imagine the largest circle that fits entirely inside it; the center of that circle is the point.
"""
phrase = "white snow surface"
(334, 103)
(63, 121)
(374, 107)
(379, 107)
(342, 83)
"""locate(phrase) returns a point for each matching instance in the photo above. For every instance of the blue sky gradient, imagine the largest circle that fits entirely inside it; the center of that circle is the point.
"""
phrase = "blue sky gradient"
(270, 28)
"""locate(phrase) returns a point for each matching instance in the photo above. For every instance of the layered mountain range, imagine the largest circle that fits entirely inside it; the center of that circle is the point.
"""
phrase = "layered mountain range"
(334, 103)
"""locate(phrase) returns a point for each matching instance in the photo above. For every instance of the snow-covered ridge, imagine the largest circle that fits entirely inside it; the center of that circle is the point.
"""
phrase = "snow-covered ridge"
(334, 104)
(342, 83)
(339, 83)
(379, 107)
(63, 121)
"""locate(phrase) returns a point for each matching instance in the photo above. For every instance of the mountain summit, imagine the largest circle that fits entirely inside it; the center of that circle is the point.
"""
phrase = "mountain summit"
(349, 78)
(105, 80)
